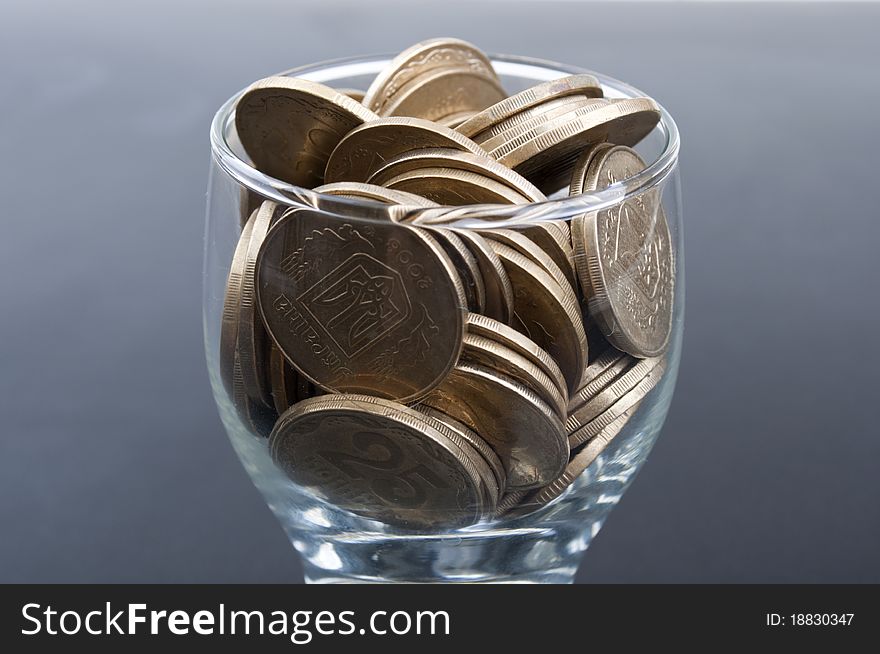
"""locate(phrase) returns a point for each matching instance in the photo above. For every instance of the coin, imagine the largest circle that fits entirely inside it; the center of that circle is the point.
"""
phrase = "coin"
(610, 394)
(599, 376)
(546, 235)
(449, 186)
(465, 264)
(444, 93)
(420, 59)
(454, 120)
(368, 147)
(499, 290)
(252, 343)
(535, 118)
(230, 319)
(355, 94)
(450, 158)
(523, 430)
(499, 358)
(586, 432)
(374, 192)
(380, 459)
(529, 249)
(624, 258)
(289, 127)
(363, 308)
(585, 85)
(283, 381)
(461, 431)
(530, 502)
(546, 155)
(546, 313)
(257, 418)
(501, 333)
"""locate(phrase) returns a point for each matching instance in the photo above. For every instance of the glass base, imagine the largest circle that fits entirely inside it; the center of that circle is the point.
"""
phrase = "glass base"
(528, 555)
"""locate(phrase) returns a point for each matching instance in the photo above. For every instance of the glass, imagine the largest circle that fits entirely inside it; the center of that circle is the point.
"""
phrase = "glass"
(338, 545)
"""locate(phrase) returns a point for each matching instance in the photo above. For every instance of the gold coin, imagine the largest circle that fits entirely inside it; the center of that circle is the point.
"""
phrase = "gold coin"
(374, 192)
(624, 258)
(253, 344)
(355, 94)
(257, 418)
(461, 431)
(625, 402)
(585, 85)
(501, 333)
(450, 186)
(530, 249)
(465, 264)
(230, 319)
(499, 358)
(467, 161)
(420, 59)
(454, 120)
(283, 381)
(367, 148)
(289, 127)
(546, 313)
(382, 460)
(523, 430)
(443, 93)
(599, 376)
(530, 502)
(546, 155)
(535, 118)
(361, 308)
(499, 290)
(605, 397)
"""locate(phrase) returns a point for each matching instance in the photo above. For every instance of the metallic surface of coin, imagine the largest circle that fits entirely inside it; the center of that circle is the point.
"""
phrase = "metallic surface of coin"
(625, 403)
(547, 237)
(576, 467)
(449, 158)
(522, 429)
(444, 93)
(474, 440)
(601, 380)
(379, 459)
(527, 247)
(282, 381)
(355, 94)
(535, 118)
(365, 308)
(546, 313)
(374, 192)
(253, 343)
(465, 264)
(455, 120)
(610, 394)
(495, 356)
(448, 186)
(421, 59)
(546, 155)
(499, 290)
(368, 147)
(257, 418)
(624, 259)
(585, 85)
(501, 333)
(230, 319)
(290, 126)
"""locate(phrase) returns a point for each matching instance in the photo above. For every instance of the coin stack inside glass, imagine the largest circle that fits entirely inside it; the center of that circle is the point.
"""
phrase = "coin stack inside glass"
(416, 372)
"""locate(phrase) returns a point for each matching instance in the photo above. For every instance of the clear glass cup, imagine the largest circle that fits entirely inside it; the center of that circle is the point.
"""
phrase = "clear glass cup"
(338, 545)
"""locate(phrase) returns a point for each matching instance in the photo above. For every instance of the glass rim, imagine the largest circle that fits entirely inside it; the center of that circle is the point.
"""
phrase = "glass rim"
(499, 214)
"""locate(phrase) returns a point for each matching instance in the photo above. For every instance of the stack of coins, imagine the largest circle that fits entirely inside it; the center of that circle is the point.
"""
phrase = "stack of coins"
(416, 372)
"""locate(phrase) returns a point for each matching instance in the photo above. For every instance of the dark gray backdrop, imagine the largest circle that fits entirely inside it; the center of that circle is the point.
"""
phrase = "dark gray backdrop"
(113, 463)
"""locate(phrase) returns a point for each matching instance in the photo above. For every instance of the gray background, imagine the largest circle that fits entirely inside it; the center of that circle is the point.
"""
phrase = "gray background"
(113, 463)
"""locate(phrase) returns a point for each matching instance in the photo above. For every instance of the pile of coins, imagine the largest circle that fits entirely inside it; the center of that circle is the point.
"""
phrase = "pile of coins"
(422, 374)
